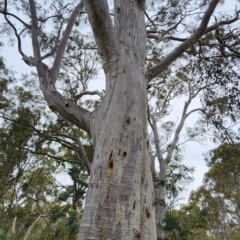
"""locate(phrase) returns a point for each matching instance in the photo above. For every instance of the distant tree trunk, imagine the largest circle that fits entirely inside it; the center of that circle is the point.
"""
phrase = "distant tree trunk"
(13, 227)
(160, 189)
(160, 193)
(26, 235)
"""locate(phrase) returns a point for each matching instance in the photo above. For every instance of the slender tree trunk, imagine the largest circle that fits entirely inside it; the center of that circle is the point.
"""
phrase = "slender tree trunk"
(13, 227)
(160, 193)
(26, 235)
(160, 190)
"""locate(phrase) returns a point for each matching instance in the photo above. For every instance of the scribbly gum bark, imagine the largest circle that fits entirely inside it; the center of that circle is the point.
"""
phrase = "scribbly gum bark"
(120, 198)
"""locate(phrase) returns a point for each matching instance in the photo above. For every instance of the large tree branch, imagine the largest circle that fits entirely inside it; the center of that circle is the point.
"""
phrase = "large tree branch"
(151, 21)
(101, 23)
(152, 34)
(71, 112)
(67, 109)
(195, 110)
(19, 19)
(35, 41)
(62, 46)
(156, 70)
(184, 116)
(221, 23)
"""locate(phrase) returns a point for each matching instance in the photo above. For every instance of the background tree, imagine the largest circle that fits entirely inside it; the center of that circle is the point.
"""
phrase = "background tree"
(213, 209)
(34, 152)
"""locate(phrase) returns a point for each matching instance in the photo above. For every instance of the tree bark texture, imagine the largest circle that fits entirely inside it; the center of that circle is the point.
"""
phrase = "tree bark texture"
(120, 198)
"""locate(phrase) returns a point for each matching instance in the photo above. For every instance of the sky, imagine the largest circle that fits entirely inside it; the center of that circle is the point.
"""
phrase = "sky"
(193, 151)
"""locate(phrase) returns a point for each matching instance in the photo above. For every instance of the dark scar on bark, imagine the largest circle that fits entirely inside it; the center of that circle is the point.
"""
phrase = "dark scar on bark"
(128, 120)
(110, 160)
(124, 154)
(147, 213)
(137, 233)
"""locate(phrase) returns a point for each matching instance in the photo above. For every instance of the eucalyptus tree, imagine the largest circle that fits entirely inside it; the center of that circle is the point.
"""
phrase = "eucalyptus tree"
(213, 209)
(223, 161)
(120, 200)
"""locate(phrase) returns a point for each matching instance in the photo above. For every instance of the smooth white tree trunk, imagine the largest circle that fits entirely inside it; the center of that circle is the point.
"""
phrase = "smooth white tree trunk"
(120, 197)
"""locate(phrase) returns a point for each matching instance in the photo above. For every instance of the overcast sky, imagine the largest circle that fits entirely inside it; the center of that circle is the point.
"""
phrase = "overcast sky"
(193, 151)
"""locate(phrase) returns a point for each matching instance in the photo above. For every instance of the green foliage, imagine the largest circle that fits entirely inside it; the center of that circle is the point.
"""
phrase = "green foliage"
(174, 228)
(188, 223)
(178, 176)
(213, 209)
(34, 152)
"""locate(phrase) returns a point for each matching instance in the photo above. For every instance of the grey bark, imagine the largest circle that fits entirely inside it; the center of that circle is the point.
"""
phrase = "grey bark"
(120, 197)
